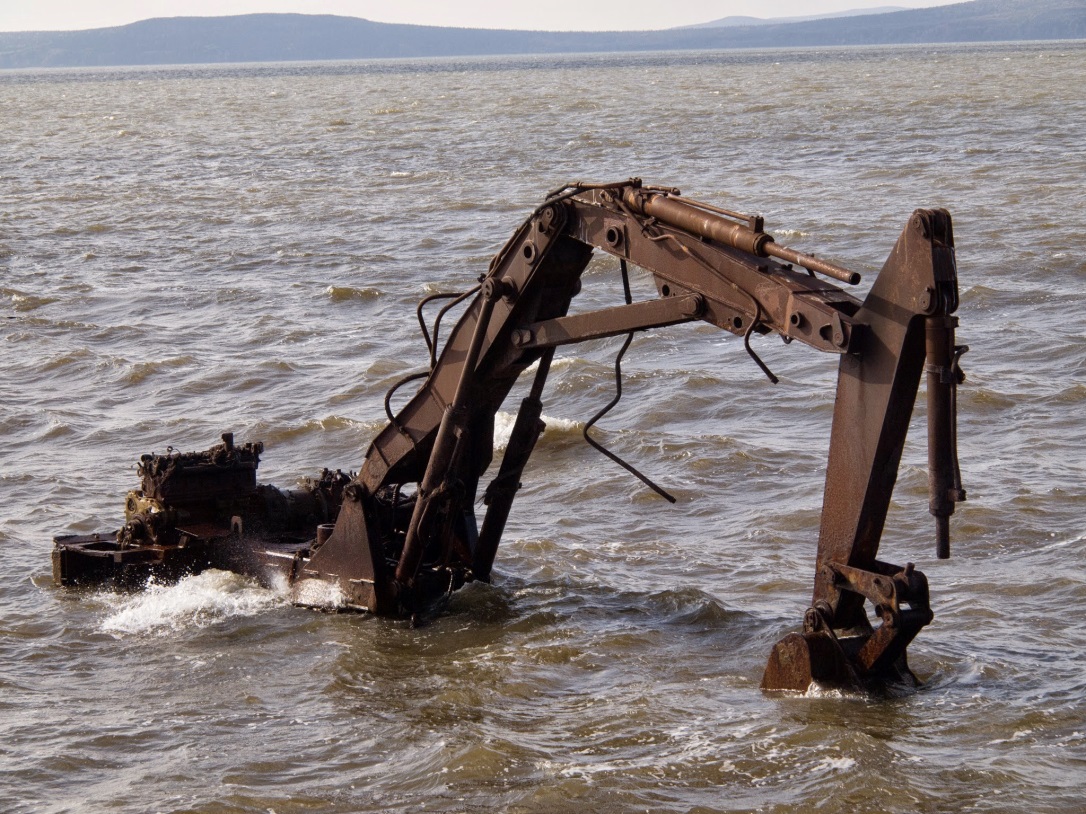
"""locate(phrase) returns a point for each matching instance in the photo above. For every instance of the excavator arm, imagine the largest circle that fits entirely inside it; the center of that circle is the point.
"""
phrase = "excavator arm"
(407, 531)
(403, 531)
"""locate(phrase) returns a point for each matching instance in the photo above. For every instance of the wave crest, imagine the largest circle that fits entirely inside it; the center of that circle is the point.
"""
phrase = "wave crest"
(198, 601)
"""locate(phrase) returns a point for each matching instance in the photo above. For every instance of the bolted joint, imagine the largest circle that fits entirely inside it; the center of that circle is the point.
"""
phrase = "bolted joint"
(549, 220)
(495, 289)
(920, 223)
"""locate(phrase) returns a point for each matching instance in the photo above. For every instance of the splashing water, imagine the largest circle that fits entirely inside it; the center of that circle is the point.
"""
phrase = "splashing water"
(198, 601)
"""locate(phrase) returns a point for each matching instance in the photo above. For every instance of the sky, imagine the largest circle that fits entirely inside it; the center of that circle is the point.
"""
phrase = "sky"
(550, 15)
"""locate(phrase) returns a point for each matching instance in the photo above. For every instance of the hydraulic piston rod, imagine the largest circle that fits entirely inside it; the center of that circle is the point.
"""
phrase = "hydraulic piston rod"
(712, 226)
(943, 376)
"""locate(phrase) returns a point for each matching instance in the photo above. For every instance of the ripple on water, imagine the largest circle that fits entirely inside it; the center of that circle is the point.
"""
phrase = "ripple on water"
(251, 261)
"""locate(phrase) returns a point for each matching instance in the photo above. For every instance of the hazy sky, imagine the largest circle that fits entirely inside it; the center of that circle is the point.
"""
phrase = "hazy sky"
(553, 15)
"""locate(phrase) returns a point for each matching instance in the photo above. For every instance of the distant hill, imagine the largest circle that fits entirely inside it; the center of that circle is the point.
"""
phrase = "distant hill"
(735, 20)
(301, 37)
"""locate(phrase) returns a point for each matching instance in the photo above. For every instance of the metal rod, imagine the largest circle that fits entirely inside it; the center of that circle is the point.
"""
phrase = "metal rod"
(705, 223)
(943, 480)
(442, 457)
(812, 263)
(503, 489)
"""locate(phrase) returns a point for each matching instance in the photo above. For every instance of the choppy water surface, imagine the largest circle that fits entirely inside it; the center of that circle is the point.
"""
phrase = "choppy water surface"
(192, 250)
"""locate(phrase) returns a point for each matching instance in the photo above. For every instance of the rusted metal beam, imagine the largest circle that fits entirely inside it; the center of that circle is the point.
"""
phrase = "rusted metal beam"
(740, 288)
(609, 322)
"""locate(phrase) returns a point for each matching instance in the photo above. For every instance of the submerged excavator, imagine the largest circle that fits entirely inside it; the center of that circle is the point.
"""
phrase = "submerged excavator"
(402, 532)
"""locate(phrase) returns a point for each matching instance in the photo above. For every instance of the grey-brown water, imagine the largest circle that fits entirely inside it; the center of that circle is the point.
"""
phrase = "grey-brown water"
(192, 250)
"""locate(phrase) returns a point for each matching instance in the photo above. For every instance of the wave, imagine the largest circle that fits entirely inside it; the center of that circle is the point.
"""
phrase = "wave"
(338, 293)
(24, 301)
(199, 601)
(556, 428)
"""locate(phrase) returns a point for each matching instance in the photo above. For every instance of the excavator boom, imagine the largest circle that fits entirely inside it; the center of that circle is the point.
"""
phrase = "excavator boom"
(403, 531)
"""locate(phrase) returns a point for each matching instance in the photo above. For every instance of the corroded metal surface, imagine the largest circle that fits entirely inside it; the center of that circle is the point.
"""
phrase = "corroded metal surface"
(403, 531)
(199, 510)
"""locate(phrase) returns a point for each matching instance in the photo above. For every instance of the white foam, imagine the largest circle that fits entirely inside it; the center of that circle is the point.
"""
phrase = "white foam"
(563, 424)
(558, 364)
(195, 602)
(835, 764)
(814, 690)
(503, 427)
(318, 593)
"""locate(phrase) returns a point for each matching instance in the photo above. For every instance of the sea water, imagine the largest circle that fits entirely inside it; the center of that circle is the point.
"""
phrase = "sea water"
(191, 250)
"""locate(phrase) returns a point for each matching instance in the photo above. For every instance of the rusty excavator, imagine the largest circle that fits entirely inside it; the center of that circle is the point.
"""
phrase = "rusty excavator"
(402, 532)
